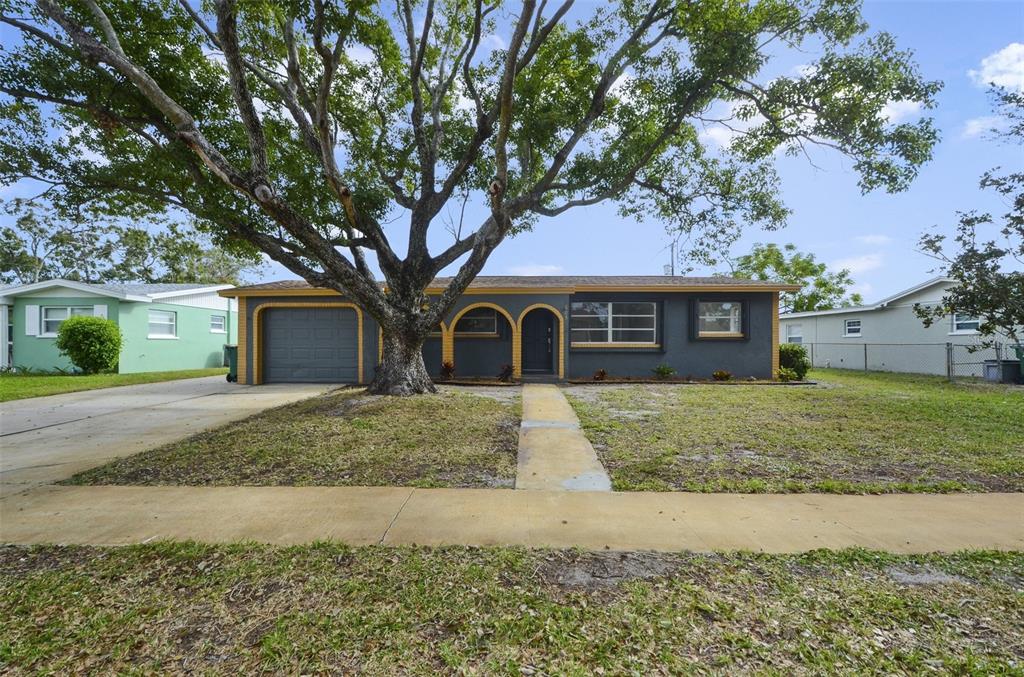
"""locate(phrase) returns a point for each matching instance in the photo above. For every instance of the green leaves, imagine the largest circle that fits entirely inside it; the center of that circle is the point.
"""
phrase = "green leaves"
(822, 289)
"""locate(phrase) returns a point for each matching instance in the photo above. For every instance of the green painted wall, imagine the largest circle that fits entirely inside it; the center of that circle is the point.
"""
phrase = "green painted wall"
(194, 348)
(39, 352)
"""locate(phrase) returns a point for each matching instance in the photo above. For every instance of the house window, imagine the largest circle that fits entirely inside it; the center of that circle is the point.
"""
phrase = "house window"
(481, 321)
(794, 333)
(851, 328)
(163, 324)
(218, 324)
(632, 322)
(53, 317)
(719, 319)
(965, 324)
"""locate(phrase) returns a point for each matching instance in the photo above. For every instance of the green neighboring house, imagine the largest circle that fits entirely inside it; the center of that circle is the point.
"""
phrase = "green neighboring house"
(165, 327)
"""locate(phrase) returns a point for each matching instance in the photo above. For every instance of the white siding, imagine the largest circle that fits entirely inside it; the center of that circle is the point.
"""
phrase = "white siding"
(209, 300)
(31, 320)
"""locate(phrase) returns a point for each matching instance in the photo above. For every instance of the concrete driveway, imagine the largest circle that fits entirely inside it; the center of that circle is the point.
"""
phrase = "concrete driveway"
(48, 439)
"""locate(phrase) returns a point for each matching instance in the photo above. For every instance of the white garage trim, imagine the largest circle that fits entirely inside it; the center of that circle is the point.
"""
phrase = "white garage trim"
(257, 369)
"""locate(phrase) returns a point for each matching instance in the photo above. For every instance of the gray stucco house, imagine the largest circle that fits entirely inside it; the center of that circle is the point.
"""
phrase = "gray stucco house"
(548, 327)
(889, 336)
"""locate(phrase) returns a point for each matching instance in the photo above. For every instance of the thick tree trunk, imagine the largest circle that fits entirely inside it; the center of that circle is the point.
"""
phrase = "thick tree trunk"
(402, 371)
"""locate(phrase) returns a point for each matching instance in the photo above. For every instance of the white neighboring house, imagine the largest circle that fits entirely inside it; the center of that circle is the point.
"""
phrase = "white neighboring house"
(888, 335)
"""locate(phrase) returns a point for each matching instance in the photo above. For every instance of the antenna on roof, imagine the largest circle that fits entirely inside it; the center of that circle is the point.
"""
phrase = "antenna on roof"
(668, 270)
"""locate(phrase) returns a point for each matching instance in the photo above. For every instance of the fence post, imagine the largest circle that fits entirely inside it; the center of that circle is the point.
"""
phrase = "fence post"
(812, 354)
(865, 357)
(949, 361)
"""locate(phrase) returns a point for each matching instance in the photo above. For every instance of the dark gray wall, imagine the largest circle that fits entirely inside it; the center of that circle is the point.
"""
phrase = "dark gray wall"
(751, 356)
(689, 356)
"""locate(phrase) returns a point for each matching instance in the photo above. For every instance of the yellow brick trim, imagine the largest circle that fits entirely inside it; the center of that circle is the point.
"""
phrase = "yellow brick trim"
(775, 334)
(256, 347)
(726, 289)
(561, 334)
(243, 339)
(448, 347)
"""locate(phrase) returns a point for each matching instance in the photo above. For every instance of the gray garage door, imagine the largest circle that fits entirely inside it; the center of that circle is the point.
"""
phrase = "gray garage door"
(309, 345)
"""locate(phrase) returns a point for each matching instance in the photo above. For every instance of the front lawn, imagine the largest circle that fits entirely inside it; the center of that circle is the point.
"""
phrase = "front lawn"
(15, 386)
(453, 439)
(854, 432)
(328, 608)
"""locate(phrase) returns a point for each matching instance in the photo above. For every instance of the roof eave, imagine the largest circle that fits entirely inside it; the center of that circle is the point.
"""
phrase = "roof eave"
(185, 292)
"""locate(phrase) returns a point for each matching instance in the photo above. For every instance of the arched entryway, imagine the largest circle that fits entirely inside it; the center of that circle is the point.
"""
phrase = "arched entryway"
(541, 335)
(482, 337)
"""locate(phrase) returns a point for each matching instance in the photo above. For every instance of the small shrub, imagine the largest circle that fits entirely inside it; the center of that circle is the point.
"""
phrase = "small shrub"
(786, 374)
(663, 371)
(91, 343)
(722, 375)
(506, 373)
(794, 356)
(447, 370)
(600, 375)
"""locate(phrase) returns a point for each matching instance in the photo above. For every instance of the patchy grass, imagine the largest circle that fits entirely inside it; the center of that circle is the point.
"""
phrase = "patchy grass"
(327, 608)
(15, 386)
(452, 439)
(855, 432)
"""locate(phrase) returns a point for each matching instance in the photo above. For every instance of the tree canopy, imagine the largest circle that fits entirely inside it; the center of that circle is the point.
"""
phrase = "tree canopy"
(821, 289)
(307, 130)
(987, 252)
(42, 245)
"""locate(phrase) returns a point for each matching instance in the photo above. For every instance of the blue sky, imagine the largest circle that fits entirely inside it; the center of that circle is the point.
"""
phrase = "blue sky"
(959, 43)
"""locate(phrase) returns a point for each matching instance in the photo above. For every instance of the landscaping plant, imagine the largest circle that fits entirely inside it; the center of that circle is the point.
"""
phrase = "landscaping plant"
(786, 374)
(93, 344)
(600, 375)
(663, 371)
(722, 375)
(794, 356)
(447, 370)
(506, 373)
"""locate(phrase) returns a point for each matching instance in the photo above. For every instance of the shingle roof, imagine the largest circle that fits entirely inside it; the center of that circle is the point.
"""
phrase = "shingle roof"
(143, 289)
(581, 282)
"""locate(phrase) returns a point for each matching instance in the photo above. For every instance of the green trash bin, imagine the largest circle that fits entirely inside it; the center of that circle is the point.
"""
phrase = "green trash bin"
(1019, 349)
(231, 359)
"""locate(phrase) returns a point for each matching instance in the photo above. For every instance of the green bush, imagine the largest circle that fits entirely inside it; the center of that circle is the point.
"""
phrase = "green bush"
(91, 343)
(663, 371)
(722, 375)
(794, 356)
(786, 374)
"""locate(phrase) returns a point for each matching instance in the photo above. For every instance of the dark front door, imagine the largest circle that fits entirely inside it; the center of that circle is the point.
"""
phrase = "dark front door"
(538, 341)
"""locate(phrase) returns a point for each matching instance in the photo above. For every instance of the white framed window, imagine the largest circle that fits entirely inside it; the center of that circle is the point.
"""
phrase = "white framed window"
(601, 322)
(52, 317)
(851, 327)
(218, 324)
(719, 319)
(482, 321)
(794, 333)
(163, 324)
(965, 324)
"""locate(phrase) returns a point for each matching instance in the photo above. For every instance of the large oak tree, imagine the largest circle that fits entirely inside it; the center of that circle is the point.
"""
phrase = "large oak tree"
(309, 129)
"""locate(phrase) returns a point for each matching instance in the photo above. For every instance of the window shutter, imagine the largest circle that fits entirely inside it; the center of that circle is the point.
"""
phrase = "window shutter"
(31, 320)
(100, 311)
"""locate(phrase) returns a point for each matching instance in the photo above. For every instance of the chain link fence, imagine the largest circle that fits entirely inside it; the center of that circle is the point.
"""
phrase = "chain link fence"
(954, 361)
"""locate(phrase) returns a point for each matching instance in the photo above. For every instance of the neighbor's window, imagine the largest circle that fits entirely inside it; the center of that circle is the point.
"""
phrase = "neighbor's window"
(851, 328)
(163, 324)
(218, 324)
(478, 321)
(965, 323)
(614, 322)
(719, 319)
(53, 317)
(794, 333)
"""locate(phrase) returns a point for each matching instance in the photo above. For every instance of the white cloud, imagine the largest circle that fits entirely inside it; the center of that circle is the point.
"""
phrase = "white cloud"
(894, 111)
(975, 127)
(859, 264)
(874, 239)
(493, 41)
(805, 70)
(723, 133)
(361, 54)
(864, 289)
(1004, 68)
(536, 269)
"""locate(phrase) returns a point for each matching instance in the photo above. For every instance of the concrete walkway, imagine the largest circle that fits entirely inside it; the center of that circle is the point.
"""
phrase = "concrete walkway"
(48, 439)
(554, 454)
(907, 523)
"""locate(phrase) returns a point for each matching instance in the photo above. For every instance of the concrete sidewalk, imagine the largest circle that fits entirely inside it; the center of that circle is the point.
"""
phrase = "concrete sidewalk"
(48, 439)
(554, 454)
(902, 523)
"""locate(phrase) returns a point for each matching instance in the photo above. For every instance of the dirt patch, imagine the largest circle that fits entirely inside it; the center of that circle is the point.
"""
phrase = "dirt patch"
(502, 393)
(923, 576)
(590, 571)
